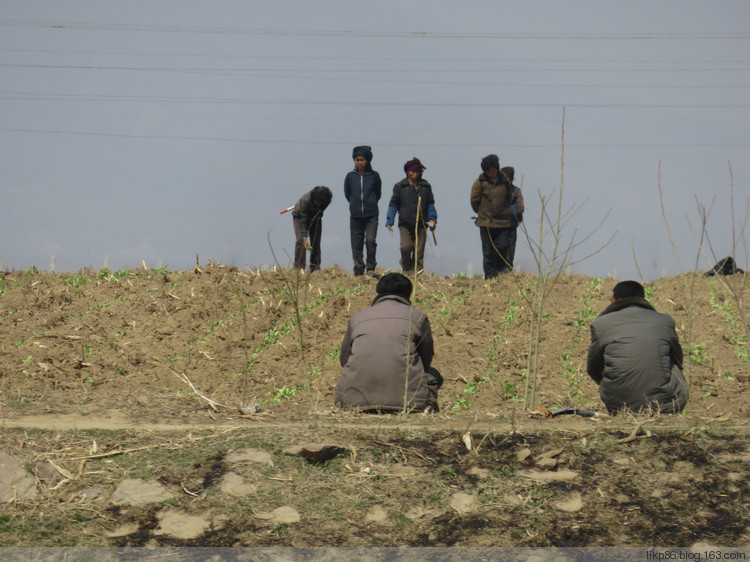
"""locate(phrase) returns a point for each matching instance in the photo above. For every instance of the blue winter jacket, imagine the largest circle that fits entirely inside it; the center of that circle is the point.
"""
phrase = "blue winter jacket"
(363, 193)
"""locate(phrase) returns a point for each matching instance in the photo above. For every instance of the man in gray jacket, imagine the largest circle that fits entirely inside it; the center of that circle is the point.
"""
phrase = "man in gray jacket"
(386, 354)
(635, 355)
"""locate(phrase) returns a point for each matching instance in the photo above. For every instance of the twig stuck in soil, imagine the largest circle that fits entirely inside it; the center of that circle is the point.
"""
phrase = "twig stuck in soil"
(404, 449)
(183, 377)
(635, 434)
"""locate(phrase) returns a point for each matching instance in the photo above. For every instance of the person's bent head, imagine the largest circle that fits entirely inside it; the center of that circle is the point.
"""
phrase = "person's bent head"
(625, 289)
(394, 284)
(322, 196)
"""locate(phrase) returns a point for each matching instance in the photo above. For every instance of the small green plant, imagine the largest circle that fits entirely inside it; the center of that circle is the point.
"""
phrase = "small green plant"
(76, 281)
(285, 393)
(460, 276)
(698, 355)
(162, 270)
(572, 376)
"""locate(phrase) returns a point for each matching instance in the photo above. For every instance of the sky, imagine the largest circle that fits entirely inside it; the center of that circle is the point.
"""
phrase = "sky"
(157, 131)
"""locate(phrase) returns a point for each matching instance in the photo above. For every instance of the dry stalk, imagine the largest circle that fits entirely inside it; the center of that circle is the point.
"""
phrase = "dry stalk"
(184, 378)
(551, 263)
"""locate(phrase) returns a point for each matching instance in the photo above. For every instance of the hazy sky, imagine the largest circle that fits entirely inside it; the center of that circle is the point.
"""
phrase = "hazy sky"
(154, 130)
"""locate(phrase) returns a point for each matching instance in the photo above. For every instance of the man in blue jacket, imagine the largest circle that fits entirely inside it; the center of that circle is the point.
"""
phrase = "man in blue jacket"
(414, 202)
(362, 188)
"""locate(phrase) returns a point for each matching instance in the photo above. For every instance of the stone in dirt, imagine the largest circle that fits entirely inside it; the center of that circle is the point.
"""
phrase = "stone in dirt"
(15, 482)
(546, 463)
(181, 525)
(570, 503)
(316, 452)
(47, 473)
(283, 514)
(92, 493)
(243, 456)
(549, 476)
(463, 503)
(523, 454)
(376, 515)
(122, 530)
(235, 485)
(134, 491)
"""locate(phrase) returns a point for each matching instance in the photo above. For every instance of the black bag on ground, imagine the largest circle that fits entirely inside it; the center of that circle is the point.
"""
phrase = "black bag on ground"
(727, 266)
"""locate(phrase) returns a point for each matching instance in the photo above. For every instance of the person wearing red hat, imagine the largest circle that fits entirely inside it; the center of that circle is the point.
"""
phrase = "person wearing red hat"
(414, 202)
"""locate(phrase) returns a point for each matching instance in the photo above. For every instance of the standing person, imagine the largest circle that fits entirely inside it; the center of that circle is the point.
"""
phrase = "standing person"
(412, 228)
(362, 188)
(635, 355)
(386, 354)
(307, 217)
(516, 198)
(491, 200)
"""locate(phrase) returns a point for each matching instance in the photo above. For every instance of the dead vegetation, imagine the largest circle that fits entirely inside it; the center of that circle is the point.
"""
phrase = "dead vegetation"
(138, 378)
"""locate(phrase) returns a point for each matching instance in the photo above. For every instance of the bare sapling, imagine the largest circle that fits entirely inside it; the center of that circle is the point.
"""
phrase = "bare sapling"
(405, 409)
(293, 281)
(688, 279)
(736, 285)
(553, 251)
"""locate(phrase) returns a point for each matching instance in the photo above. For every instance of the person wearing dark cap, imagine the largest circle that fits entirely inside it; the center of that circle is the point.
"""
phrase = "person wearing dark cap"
(307, 217)
(414, 202)
(635, 355)
(491, 199)
(516, 216)
(386, 354)
(362, 189)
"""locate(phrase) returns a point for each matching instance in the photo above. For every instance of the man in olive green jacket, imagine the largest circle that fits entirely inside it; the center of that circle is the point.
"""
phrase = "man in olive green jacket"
(379, 343)
(635, 355)
(498, 214)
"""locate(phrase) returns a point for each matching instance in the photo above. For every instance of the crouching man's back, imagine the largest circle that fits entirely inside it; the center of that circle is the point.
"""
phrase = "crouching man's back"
(378, 344)
(635, 355)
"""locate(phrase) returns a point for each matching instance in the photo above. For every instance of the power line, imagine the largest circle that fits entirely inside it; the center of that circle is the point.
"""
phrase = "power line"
(358, 58)
(482, 70)
(657, 35)
(349, 143)
(352, 103)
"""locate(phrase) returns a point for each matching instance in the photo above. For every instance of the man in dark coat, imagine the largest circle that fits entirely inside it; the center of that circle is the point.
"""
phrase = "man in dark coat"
(362, 189)
(516, 214)
(497, 216)
(386, 354)
(307, 217)
(635, 355)
(414, 202)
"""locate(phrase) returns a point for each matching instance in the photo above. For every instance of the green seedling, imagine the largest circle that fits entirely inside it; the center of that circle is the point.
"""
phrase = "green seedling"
(698, 355)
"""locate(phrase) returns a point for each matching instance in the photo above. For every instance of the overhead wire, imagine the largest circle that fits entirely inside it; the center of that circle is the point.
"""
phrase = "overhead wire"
(151, 28)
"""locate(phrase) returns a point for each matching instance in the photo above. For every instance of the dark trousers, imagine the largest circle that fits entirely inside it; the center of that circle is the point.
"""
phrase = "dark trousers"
(408, 244)
(496, 247)
(315, 232)
(512, 248)
(363, 232)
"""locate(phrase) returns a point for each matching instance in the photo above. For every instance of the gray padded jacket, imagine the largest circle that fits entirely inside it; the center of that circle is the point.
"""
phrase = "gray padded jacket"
(636, 357)
(374, 356)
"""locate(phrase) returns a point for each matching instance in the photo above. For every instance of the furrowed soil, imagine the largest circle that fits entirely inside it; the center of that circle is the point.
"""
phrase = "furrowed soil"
(196, 384)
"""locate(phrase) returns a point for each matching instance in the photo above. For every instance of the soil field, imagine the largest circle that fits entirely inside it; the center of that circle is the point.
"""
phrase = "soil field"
(158, 408)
